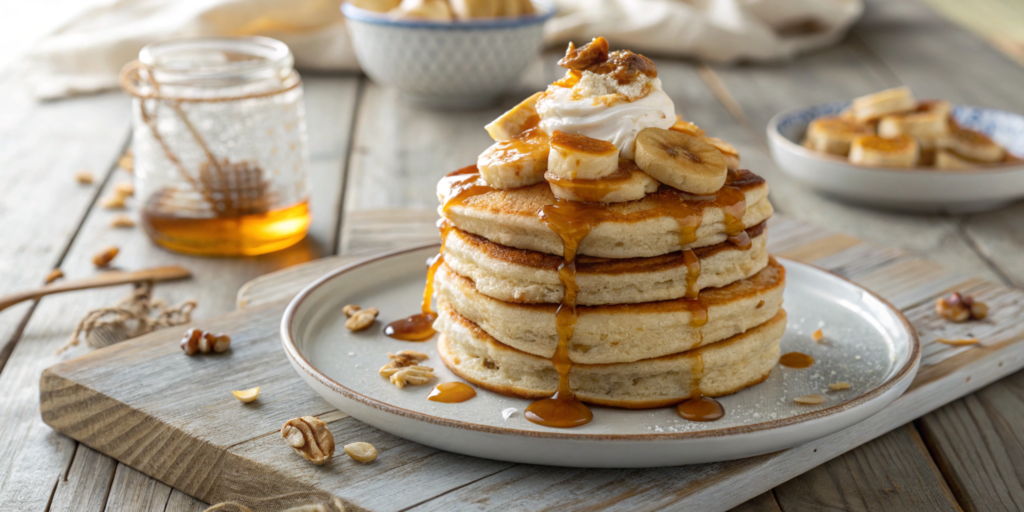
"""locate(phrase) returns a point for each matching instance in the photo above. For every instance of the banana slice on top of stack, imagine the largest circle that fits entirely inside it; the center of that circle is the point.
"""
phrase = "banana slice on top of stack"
(891, 128)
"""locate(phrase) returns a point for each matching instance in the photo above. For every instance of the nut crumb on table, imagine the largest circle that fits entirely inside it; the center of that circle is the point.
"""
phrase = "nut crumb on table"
(104, 257)
(310, 438)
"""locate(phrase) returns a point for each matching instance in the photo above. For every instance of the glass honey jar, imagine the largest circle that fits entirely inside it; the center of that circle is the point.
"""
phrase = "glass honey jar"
(219, 145)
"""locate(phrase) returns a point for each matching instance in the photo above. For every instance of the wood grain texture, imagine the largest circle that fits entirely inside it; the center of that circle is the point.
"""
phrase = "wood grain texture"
(764, 502)
(132, 491)
(898, 475)
(86, 484)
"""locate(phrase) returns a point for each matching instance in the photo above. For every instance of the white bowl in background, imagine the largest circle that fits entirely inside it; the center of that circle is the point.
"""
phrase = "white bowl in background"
(446, 65)
(920, 189)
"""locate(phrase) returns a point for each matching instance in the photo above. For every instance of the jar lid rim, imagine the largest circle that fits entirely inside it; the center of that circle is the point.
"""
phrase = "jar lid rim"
(217, 58)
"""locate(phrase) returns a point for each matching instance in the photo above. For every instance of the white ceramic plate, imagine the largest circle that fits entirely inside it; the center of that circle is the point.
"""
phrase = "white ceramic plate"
(921, 190)
(869, 344)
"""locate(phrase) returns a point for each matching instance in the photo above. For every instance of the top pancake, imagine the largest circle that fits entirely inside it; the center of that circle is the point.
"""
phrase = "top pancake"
(634, 229)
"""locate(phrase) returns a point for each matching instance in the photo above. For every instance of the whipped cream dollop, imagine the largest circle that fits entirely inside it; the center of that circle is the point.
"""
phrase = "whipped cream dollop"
(600, 108)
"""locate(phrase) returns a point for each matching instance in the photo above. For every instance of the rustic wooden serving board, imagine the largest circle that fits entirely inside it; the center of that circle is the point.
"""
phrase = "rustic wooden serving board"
(173, 417)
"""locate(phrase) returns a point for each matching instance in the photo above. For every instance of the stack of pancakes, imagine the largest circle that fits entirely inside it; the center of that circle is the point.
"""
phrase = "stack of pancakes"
(638, 340)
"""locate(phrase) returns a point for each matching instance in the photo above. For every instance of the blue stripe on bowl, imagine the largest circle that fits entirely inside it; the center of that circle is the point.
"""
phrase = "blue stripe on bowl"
(544, 12)
(1006, 128)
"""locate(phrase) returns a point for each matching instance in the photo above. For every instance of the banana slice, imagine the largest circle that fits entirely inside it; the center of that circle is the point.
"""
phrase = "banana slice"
(686, 127)
(930, 128)
(376, 5)
(526, 7)
(976, 146)
(514, 163)
(889, 101)
(424, 9)
(627, 183)
(731, 154)
(578, 157)
(949, 160)
(899, 151)
(834, 134)
(468, 9)
(681, 161)
(517, 120)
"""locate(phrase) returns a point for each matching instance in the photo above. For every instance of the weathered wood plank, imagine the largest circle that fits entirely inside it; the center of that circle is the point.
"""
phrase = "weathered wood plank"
(897, 475)
(135, 492)
(181, 502)
(978, 444)
(84, 487)
(764, 502)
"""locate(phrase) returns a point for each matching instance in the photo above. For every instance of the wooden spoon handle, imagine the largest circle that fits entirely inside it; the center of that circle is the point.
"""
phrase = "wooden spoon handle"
(98, 281)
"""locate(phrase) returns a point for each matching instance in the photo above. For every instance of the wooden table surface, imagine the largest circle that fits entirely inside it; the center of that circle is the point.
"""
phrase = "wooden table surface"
(374, 166)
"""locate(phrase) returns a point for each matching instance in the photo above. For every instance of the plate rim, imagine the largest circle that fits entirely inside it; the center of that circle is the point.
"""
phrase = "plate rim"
(775, 136)
(300, 362)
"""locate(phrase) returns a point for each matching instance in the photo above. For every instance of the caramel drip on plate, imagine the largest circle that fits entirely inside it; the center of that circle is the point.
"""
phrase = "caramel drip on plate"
(572, 221)
(796, 360)
(419, 327)
(451, 393)
(700, 407)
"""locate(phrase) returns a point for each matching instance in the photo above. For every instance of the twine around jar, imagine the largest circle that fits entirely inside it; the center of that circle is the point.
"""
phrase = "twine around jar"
(231, 189)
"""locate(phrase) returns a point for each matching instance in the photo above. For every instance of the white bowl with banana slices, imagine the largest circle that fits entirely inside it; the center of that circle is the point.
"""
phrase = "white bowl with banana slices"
(891, 151)
(447, 54)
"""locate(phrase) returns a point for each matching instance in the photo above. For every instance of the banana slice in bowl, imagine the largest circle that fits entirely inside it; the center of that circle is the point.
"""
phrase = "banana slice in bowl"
(890, 101)
(898, 151)
(974, 145)
(627, 183)
(681, 161)
(833, 135)
(578, 157)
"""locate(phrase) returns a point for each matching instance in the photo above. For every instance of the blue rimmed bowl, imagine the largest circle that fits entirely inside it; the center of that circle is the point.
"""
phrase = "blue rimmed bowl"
(446, 65)
(922, 189)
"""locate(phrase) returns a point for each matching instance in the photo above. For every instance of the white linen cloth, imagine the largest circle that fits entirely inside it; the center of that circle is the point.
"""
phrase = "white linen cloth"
(86, 54)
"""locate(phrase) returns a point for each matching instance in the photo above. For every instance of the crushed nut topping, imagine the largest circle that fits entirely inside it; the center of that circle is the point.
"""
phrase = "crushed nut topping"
(54, 275)
(197, 340)
(363, 452)
(361, 319)
(84, 177)
(957, 308)
(818, 336)
(350, 310)
(413, 375)
(839, 386)
(104, 257)
(403, 369)
(809, 399)
(958, 342)
(122, 221)
(310, 438)
(248, 395)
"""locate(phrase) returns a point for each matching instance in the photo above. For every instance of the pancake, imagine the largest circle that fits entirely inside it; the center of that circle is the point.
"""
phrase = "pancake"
(715, 370)
(623, 332)
(518, 275)
(635, 229)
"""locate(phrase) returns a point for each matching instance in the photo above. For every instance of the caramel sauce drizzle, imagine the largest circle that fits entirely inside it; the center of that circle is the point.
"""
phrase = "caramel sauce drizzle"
(700, 407)
(419, 327)
(451, 393)
(796, 360)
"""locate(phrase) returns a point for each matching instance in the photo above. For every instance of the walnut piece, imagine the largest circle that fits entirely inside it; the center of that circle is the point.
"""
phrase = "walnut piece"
(361, 319)
(809, 399)
(350, 310)
(84, 177)
(124, 189)
(113, 201)
(54, 275)
(122, 221)
(388, 371)
(104, 257)
(363, 452)
(197, 340)
(310, 438)
(957, 308)
(413, 375)
(403, 359)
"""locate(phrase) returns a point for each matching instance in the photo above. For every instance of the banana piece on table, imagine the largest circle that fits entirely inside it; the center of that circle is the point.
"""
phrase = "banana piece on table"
(514, 163)
(468, 9)
(424, 9)
(731, 154)
(627, 183)
(686, 127)
(834, 134)
(949, 160)
(681, 161)
(517, 120)
(375, 5)
(974, 145)
(899, 151)
(889, 101)
(578, 157)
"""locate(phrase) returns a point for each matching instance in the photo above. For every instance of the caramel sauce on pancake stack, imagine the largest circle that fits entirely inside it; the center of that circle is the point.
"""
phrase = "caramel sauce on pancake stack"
(509, 205)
